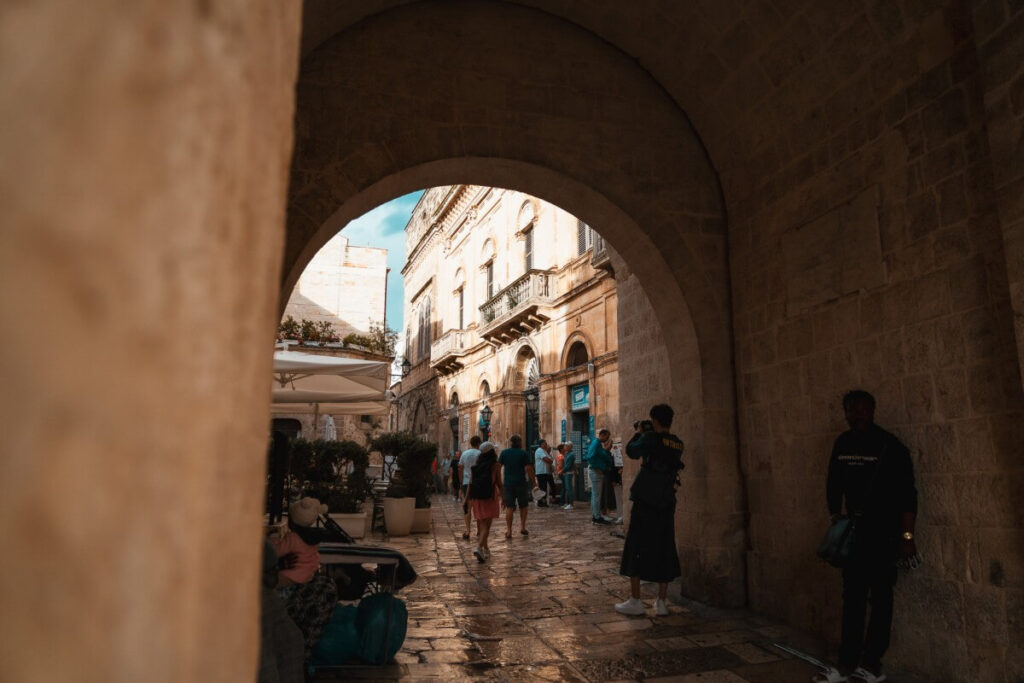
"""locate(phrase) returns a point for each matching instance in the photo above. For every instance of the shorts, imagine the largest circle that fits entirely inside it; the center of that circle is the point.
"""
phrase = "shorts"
(517, 493)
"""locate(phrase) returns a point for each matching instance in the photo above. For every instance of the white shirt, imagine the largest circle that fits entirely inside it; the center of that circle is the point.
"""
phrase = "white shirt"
(467, 461)
(540, 467)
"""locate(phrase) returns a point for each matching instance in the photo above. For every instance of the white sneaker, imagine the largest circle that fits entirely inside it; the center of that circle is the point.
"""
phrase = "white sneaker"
(660, 608)
(633, 607)
(568, 507)
(618, 520)
(478, 551)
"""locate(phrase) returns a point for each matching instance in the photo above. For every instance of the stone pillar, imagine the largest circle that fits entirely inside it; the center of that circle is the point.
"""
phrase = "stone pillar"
(143, 178)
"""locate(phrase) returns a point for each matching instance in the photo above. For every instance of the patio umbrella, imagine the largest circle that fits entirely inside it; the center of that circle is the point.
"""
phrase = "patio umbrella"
(306, 383)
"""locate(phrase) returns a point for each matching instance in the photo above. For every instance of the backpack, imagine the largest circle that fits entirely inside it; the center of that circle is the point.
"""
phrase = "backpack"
(481, 486)
(381, 634)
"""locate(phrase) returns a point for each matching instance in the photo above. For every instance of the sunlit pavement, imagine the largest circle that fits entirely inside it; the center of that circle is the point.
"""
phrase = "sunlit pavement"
(542, 608)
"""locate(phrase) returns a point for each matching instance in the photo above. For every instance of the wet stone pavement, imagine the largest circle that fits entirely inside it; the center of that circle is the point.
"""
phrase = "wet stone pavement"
(542, 608)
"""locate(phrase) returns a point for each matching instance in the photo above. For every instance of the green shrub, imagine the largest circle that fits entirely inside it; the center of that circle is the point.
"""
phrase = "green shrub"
(414, 457)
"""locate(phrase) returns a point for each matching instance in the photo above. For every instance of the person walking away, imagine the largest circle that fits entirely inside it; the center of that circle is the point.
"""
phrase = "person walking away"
(542, 466)
(444, 473)
(871, 471)
(466, 463)
(484, 494)
(518, 480)
(456, 477)
(568, 476)
(599, 460)
(649, 553)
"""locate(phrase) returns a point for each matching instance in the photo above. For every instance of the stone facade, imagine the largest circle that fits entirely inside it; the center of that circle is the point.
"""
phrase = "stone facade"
(503, 295)
(344, 285)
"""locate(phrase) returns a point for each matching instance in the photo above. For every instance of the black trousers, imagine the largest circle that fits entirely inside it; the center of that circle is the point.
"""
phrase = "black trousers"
(546, 484)
(866, 581)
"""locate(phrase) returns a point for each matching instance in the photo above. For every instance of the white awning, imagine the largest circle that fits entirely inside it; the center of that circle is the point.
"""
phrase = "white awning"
(306, 383)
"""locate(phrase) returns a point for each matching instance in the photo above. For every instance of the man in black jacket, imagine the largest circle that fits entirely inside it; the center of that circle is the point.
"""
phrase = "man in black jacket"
(871, 471)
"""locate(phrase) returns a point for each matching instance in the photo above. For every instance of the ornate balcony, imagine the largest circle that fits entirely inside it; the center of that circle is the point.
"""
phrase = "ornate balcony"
(517, 309)
(446, 353)
(601, 259)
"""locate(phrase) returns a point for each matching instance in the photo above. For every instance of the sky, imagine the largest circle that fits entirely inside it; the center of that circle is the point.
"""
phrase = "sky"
(385, 227)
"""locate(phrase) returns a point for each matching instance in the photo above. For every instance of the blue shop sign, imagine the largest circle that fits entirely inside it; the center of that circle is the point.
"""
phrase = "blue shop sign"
(580, 395)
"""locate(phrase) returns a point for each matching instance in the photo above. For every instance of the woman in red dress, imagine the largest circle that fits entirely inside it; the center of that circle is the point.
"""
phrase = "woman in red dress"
(484, 494)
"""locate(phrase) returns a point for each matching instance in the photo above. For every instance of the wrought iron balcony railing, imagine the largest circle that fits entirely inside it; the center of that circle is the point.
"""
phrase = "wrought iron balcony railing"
(517, 306)
(446, 352)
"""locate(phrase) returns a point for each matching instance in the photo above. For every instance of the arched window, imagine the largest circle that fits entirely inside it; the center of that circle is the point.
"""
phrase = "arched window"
(485, 389)
(577, 355)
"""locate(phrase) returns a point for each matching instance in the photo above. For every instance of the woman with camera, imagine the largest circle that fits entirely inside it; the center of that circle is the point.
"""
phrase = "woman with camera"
(649, 553)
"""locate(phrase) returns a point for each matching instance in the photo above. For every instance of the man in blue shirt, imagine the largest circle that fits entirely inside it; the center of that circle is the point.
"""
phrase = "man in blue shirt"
(542, 466)
(599, 460)
(519, 480)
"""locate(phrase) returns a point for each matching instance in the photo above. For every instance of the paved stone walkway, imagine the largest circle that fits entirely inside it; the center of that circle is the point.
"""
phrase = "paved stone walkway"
(542, 609)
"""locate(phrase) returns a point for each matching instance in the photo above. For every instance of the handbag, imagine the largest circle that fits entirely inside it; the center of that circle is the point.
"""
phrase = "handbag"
(840, 538)
(836, 546)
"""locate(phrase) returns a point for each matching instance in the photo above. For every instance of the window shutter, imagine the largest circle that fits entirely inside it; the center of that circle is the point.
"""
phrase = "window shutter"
(529, 250)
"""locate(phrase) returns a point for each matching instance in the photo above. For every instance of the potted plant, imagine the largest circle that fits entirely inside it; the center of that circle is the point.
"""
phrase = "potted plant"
(289, 329)
(399, 499)
(415, 462)
(346, 494)
(333, 472)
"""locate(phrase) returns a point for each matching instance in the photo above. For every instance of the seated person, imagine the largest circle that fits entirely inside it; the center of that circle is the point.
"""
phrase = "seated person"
(309, 597)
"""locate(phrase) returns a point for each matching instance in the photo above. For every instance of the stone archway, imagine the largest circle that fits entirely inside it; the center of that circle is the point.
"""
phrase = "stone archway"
(648, 189)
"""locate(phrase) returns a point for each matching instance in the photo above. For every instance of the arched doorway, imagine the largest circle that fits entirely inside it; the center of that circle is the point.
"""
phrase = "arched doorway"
(663, 217)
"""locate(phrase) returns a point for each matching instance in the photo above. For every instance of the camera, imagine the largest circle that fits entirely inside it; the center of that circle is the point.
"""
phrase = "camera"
(643, 426)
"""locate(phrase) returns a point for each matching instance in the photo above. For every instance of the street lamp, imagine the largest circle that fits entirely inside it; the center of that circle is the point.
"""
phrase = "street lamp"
(532, 399)
(406, 367)
(485, 420)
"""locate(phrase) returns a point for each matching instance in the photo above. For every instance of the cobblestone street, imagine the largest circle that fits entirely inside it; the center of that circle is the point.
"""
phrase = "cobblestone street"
(542, 608)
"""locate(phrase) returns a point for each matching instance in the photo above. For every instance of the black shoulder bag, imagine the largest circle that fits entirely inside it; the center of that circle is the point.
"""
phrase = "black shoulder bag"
(840, 538)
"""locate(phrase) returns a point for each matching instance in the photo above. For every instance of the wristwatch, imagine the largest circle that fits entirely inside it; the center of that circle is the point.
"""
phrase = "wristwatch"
(908, 536)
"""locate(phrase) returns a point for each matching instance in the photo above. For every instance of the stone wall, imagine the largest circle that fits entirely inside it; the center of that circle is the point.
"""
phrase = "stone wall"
(143, 169)
(866, 252)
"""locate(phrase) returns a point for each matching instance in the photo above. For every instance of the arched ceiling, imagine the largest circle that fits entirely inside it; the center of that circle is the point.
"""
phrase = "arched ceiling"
(736, 67)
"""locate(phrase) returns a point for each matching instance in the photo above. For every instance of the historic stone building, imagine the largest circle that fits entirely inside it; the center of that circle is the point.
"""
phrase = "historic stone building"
(510, 320)
(804, 196)
(344, 285)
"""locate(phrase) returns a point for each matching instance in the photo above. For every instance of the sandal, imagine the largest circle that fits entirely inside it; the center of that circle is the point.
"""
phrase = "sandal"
(465, 535)
(828, 676)
(508, 534)
(524, 532)
(862, 675)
